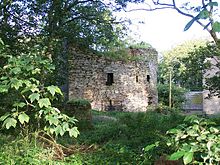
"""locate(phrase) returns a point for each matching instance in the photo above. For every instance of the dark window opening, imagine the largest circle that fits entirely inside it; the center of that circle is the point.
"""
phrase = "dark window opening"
(110, 106)
(110, 103)
(137, 79)
(110, 79)
(150, 100)
(148, 78)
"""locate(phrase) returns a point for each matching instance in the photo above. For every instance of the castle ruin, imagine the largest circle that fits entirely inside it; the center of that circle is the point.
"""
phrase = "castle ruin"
(115, 84)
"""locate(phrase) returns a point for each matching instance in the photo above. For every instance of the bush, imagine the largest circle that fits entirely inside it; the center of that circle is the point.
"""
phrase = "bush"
(20, 150)
(81, 109)
(196, 141)
(30, 97)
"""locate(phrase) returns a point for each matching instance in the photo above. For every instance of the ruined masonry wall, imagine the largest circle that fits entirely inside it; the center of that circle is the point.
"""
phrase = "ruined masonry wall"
(131, 91)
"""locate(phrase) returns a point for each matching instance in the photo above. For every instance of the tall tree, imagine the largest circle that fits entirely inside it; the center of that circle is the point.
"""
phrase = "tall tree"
(86, 23)
(176, 62)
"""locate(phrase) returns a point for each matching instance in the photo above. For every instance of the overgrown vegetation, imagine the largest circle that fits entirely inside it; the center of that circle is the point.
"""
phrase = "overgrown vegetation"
(116, 137)
(37, 34)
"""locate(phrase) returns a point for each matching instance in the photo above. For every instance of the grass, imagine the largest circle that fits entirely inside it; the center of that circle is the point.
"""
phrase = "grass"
(115, 138)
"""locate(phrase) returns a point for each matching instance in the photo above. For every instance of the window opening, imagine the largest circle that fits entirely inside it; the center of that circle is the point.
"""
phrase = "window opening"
(150, 100)
(148, 78)
(110, 103)
(137, 79)
(110, 79)
(110, 106)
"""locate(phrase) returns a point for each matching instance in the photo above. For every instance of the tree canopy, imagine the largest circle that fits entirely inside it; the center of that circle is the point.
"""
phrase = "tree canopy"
(85, 23)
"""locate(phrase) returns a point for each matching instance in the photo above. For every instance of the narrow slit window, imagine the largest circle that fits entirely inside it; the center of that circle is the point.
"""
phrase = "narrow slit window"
(137, 79)
(110, 103)
(110, 79)
(148, 78)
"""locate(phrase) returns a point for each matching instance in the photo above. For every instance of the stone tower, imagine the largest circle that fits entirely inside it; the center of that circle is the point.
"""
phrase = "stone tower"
(115, 84)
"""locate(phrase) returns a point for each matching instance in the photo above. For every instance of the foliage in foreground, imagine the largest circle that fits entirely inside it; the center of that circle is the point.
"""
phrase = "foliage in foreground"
(196, 141)
(28, 97)
(116, 137)
(21, 151)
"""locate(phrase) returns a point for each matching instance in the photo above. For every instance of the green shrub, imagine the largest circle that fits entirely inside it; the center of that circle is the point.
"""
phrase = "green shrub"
(21, 150)
(30, 97)
(81, 109)
(196, 141)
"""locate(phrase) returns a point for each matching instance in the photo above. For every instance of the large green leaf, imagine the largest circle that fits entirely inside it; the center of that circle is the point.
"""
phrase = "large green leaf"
(177, 155)
(10, 122)
(216, 26)
(188, 157)
(44, 102)
(15, 83)
(54, 89)
(23, 118)
(73, 132)
(34, 96)
(16, 70)
(20, 104)
(204, 14)
(151, 146)
(59, 130)
(2, 118)
(53, 120)
(3, 88)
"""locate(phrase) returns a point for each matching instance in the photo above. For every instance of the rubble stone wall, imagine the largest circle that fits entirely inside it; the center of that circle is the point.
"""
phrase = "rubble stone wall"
(211, 105)
(114, 85)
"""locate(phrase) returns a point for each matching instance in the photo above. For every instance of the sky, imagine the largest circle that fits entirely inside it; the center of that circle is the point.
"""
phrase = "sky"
(163, 29)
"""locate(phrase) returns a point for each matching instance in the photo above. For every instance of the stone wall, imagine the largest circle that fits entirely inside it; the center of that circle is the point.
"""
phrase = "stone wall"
(211, 105)
(115, 85)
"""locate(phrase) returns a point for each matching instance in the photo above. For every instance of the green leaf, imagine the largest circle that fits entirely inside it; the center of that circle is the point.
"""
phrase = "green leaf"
(173, 131)
(212, 4)
(16, 70)
(20, 104)
(209, 145)
(3, 78)
(189, 24)
(188, 157)
(53, 120)
(59, 130)
(2, 118)
(45, 102)
(73, 132)
(204, 14)
(216, 26)
(177, 155)
(23, 118)
(54, 89)
(34, 96)
(151, 146)
(65, 126)
(3, 88)
(10, 122)
(15, 83)
(1, 42)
